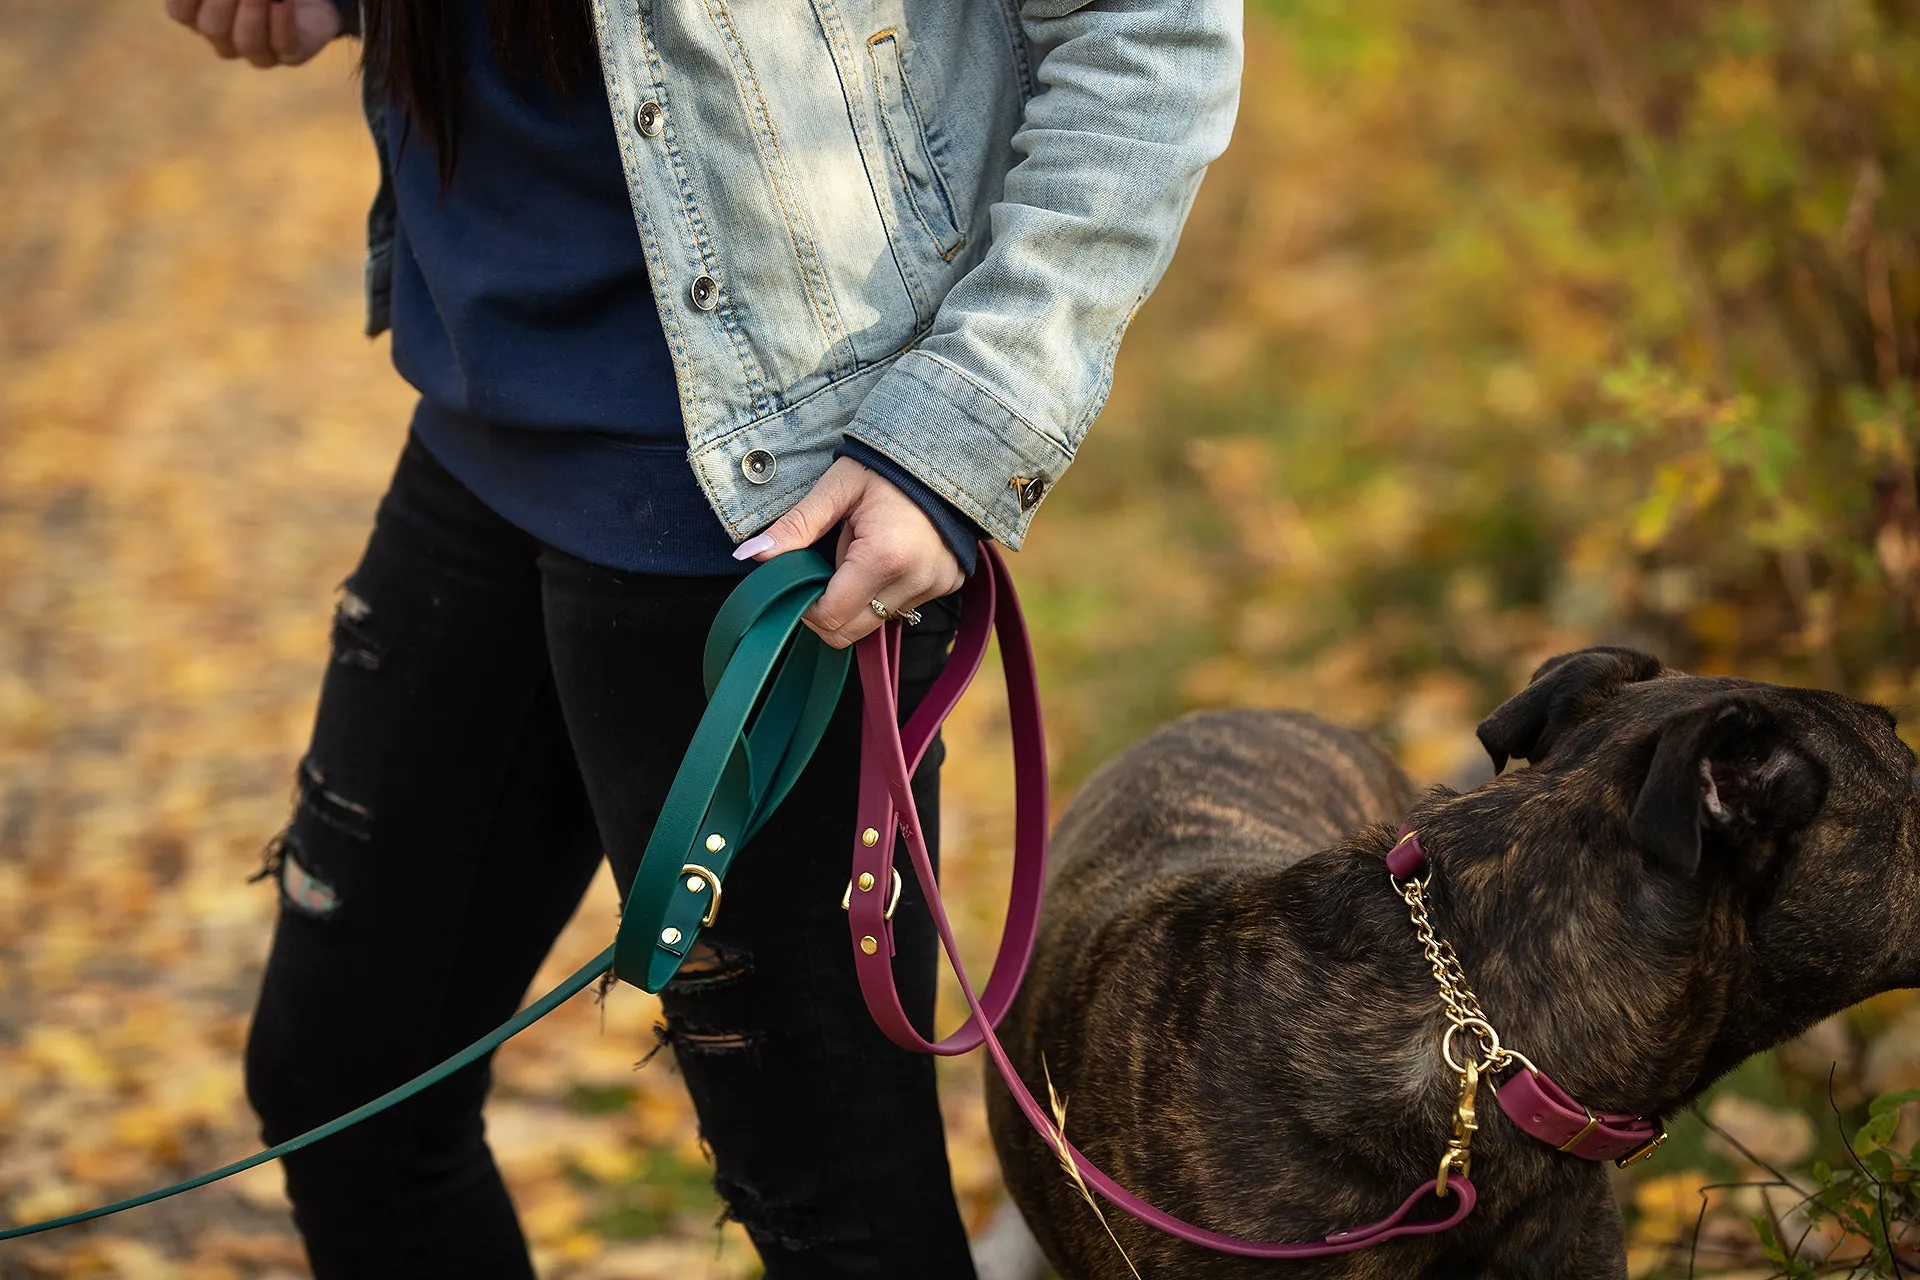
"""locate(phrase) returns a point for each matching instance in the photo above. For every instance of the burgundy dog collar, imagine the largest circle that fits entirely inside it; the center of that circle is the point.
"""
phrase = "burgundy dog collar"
(1532, 1100)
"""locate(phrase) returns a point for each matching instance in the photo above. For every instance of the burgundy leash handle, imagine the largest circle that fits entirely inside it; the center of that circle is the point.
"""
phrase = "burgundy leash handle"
(888, 757)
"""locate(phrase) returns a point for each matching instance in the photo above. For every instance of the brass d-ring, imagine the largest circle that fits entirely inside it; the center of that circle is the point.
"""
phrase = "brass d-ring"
(710, 882)
(846, 899)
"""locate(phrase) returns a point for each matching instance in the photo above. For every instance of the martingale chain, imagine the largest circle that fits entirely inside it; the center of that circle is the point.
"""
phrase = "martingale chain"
(1463, 1015)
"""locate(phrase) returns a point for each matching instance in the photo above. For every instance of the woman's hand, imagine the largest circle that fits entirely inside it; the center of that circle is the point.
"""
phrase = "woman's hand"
(889, 551)
(267, 33)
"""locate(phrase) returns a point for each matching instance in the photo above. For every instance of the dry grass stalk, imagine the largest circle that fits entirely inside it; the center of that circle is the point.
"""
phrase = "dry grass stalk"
(1058, 1137)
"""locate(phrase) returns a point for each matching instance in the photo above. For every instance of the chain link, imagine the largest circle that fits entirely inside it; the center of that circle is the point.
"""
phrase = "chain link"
(1464, 1015)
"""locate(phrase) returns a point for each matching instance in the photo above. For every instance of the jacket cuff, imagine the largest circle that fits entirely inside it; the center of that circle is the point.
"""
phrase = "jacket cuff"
(961, 535)
(962, 441)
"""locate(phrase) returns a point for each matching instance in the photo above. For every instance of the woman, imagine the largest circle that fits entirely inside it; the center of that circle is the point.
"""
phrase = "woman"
(670, 277)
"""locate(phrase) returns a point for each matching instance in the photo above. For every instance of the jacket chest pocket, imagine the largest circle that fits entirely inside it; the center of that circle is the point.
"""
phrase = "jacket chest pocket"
(920, 188)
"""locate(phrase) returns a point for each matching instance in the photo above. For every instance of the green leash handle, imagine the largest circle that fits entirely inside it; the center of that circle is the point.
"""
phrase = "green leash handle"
(735, 773)
(710, 812)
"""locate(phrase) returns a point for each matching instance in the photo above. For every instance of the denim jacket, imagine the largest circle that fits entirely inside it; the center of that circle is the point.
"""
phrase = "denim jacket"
(924, 224)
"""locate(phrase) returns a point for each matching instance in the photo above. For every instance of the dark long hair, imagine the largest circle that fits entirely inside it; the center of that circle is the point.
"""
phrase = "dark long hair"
(409, 51)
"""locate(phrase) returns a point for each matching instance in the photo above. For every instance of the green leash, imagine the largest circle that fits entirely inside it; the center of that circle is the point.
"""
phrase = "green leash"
(737, 770)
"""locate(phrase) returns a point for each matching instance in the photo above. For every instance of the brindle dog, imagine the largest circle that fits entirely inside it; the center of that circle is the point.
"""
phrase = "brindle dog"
(1229, 993)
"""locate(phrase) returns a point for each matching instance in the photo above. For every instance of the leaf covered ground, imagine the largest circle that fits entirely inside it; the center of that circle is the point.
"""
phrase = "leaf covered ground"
(1485, 342)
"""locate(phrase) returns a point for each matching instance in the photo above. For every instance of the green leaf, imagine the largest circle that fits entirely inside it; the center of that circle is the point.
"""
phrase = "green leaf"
(1879, 1163)
(1875, 1133)
(1892, 1101)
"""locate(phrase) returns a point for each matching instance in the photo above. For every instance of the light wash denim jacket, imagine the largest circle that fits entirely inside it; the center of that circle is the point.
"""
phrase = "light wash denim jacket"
(921, 223)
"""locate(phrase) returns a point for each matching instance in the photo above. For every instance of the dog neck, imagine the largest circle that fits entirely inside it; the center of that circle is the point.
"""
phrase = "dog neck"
(1610, 988)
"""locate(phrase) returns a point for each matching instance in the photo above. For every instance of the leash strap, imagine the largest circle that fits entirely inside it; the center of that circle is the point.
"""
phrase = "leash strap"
(582, 978)
(888, 757)
(737, 770)
(733, 776)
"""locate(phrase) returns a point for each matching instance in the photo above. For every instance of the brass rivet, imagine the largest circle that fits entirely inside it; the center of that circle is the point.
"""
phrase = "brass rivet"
(696, 884)
(868, 945)
(716, 842)
(669, 935)
(866, 882)
(869, 837)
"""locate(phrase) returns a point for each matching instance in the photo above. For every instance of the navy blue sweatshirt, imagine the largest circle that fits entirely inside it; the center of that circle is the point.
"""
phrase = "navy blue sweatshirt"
(523, 314)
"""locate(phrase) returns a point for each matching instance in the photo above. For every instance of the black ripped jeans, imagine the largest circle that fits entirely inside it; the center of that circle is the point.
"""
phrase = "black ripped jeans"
(495, 715)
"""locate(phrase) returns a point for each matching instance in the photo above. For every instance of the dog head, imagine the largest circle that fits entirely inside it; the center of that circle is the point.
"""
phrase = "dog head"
(1777, 828)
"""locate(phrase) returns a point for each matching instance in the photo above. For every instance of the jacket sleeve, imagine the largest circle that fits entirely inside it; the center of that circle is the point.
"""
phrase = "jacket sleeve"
(1133, 99)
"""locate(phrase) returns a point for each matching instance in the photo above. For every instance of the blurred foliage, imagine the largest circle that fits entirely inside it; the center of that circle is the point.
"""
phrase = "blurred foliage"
(1856, 1218)
(1508, 326)
(1504, 328)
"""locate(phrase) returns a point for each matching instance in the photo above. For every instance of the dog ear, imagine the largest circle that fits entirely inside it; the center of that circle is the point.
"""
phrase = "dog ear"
(1727, 768)
(1564, 691)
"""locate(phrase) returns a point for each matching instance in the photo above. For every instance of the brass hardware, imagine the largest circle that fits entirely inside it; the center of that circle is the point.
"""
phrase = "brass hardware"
(699, 880)
(1593, 1122)
(1029, 489)
(669, 935)
(869, 837)
(1463, 1015)
(1642, 1151)
(1459, 1153)
(716, 842)
(866, 885)
(868, 945)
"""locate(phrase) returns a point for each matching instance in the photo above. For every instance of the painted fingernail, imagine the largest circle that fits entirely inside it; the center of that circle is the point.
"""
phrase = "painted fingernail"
(754, 546)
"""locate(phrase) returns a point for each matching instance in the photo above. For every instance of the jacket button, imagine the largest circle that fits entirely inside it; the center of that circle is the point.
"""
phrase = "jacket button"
(1030, 490)
(758, 467)
(705, 293)
(648, 118)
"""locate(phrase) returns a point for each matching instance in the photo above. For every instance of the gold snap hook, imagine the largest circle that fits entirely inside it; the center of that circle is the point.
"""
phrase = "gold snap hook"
(1459, 1153)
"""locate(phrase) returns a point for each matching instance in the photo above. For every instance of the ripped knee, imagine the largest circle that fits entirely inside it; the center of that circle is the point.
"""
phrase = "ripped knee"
(710, 965)
(300, 887)
(306, 885)
(692, 1039)
(353, 643)
(776, 1226)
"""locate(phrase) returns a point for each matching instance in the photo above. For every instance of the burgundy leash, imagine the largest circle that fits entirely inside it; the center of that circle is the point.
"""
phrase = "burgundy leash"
(889, 755)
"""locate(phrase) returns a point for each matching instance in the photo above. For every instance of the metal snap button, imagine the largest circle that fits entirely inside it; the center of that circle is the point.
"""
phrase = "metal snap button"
(1030, 490)
(648, 118)
(705, 292)
(758, 467)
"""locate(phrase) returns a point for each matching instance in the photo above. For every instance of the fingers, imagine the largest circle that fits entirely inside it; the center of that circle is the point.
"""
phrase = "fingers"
(283, 32)
(808, 520)
(901, 573)
(183, 11)
(215, 22)
(251, 39)
(888, 551)
(844, 612)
